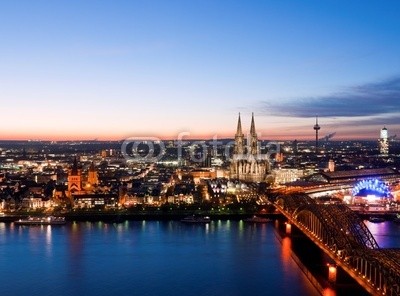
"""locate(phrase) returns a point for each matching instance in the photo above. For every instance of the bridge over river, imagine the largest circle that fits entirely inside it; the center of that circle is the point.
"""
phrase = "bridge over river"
(344, 237)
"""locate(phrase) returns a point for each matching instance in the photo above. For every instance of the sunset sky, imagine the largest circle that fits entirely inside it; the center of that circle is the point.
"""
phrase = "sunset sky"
(117, 69)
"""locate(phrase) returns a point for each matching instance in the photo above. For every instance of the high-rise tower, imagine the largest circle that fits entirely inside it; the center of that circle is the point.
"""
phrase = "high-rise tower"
(316, 128)
(384, 142)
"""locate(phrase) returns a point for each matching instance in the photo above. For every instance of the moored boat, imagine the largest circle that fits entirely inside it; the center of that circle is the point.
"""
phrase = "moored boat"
(376, 219)
(397, 218)
(256, 219)
(196, 219)
(50, 220)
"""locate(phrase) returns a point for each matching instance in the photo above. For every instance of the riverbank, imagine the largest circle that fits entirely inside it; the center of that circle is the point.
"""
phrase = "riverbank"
(123, 215)
(118, 217)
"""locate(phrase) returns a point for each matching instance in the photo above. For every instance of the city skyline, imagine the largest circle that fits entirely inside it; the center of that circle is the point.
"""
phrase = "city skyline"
(97, 70)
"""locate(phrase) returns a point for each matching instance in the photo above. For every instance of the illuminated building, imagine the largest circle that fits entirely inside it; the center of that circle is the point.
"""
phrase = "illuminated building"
(375, 186)
(354, 176)
(343, 182)
(384, 142)
(248, 164)
(199, 174)
(93, 179)
(331, 165)
(78, 184)
(283, 176)
(100, 201)
(224, 191)
(370, 191)
(279, 157)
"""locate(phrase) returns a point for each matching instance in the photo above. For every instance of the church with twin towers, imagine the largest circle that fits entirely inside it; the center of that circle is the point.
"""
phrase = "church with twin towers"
(248, 164)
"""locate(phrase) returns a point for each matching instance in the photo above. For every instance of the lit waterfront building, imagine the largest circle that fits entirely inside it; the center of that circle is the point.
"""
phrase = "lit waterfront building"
(248, 164)
(384, 142)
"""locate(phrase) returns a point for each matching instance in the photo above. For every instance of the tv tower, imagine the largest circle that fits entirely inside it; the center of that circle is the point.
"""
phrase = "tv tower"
(316, 128)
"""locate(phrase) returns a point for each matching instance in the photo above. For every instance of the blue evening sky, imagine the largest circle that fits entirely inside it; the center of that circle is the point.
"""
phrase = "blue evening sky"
(114, 69)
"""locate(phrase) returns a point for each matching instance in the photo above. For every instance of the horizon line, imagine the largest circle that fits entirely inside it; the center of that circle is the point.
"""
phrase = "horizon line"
(321, 140)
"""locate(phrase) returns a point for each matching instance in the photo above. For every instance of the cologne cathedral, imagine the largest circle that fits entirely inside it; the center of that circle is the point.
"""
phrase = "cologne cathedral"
(248, 164)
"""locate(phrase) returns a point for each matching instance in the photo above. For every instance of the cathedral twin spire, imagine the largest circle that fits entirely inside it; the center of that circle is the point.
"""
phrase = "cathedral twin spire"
(252, 141)
(247, 163)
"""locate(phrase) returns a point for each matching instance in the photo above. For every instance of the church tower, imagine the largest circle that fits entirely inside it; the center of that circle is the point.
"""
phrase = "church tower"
(74, 179)
(93, 179)
(253, 141)
(239, 139)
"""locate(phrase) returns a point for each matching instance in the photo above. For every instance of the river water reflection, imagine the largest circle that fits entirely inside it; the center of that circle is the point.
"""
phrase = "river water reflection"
(148, 258)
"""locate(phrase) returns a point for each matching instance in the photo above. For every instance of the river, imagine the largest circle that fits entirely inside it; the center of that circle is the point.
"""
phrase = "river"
(148, 258)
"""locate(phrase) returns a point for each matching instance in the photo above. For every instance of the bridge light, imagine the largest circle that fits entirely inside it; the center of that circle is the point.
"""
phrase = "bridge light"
(332, 273)
(288, 228)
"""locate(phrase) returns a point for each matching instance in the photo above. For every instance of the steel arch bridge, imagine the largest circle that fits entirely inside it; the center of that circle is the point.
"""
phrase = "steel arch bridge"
(342, 235)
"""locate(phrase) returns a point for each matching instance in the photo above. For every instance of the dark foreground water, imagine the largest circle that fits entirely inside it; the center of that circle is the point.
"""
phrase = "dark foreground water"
(148, 258)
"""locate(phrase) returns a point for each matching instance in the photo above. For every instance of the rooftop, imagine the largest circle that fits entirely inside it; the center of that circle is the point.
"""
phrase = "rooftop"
(359, 173)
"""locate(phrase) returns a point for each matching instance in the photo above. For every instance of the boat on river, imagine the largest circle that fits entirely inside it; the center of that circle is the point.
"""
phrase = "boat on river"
(397, 218)
(196, 219)
(50, 220)
(376, 219)
(257, 219)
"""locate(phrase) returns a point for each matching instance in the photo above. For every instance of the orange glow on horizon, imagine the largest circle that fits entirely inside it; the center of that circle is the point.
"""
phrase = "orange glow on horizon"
(189, 136)
(272, 133)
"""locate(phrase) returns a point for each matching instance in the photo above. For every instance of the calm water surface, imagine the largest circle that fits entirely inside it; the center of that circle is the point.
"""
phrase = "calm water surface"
(386, 234)
(148, 258)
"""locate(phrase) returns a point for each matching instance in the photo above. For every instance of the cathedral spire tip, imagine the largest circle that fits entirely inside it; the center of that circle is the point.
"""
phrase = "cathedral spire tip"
(239, 127)
(253, 126)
